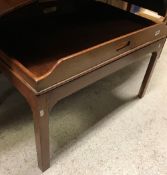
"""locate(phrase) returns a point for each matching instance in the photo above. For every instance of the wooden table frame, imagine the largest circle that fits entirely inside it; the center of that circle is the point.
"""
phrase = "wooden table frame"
(42, 103)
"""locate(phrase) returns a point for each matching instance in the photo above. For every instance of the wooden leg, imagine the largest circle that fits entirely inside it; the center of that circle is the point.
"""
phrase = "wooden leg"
(148, 75)
(41, 127)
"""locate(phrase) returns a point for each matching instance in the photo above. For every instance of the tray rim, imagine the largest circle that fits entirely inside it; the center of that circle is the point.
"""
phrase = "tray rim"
(8, 70)
(18, 66)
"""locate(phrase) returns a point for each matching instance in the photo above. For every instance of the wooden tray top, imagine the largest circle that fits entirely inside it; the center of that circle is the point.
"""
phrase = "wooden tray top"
(49, 50)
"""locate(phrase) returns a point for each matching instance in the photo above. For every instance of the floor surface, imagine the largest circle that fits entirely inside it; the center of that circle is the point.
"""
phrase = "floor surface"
(101, 130)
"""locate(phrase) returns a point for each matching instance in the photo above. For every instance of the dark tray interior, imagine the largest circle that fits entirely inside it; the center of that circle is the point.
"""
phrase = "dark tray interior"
(38, 42)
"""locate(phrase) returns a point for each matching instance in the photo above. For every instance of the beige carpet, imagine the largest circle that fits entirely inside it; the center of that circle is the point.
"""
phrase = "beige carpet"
(101, 130)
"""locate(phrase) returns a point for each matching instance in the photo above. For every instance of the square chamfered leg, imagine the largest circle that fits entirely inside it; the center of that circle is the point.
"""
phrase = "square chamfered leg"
(41, 128)
(148, 75)
(150, 69)
(40, 109)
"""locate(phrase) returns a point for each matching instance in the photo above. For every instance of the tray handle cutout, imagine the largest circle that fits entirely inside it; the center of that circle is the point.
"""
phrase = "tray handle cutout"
(123, 45)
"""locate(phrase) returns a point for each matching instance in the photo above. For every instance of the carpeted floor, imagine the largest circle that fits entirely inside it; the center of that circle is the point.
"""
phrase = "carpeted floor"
(101, 130)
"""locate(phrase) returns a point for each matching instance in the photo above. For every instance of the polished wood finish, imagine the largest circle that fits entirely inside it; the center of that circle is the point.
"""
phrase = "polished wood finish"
(42, 104)
(41, 126)
(97, 36)
(148, 74)
(43, 82)
(7, 6)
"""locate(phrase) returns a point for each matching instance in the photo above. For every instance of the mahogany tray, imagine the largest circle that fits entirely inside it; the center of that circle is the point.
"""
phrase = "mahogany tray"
(50, 50)
(50, 56)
